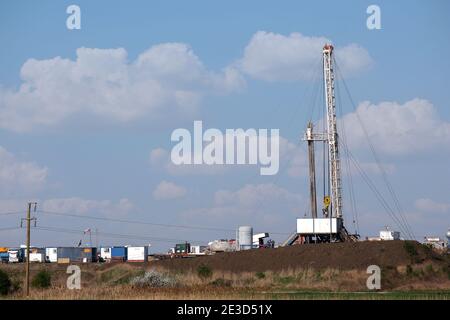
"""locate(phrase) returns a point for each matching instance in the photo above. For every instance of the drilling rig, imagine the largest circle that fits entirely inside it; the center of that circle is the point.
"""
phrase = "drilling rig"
(329, 227)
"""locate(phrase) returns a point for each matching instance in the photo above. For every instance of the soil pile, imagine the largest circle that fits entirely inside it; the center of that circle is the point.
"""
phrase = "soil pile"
(344, 256)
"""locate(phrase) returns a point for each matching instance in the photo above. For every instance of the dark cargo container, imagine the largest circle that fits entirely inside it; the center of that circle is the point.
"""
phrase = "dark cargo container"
(77, 254)
(183, 248)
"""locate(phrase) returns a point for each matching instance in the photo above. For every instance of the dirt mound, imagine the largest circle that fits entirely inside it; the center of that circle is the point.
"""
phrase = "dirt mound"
(344, 256)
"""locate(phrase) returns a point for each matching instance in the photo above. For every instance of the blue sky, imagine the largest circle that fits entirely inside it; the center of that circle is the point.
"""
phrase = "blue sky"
(99, 160)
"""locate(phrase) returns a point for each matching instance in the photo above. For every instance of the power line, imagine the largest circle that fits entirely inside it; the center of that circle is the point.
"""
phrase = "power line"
(114, 235)
(403, 219)
(11, 213)
(9, 228)
(377, 193)
(143, 222)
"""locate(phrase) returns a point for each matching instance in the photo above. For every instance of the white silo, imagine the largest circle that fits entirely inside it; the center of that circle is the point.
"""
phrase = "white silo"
(245, 237)
(448, 239)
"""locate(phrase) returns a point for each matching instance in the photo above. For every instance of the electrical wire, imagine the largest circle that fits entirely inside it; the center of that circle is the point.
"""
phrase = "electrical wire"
(143, 222)
(346, 159)
(11, 213)
(403, 219)
(113, 235)
(9, 228)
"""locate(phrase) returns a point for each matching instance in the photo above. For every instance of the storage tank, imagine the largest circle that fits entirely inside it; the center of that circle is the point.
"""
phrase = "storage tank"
(245, 237)
(448, 239)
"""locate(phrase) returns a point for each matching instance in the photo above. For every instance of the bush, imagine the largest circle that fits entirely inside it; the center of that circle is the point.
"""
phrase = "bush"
(409, 270)
(153, 279)
(260, 275)
(286, 280)
(5, 283)
(203, 271)
(446, 270)
(43, 279)
(220, 282)
(410, 249)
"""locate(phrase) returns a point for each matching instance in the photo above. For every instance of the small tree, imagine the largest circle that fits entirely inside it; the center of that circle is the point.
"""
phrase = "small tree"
(42, 279)
(5, 283)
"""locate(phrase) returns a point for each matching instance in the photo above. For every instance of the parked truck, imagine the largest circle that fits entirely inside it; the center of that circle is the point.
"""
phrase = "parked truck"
(182, 248)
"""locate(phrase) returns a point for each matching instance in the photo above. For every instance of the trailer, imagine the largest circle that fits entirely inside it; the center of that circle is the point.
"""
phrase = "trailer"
(137, 254)
(105, 254)
(51, 254)
(198, 250)
(119, 254)
(76, 254)
(37, 257)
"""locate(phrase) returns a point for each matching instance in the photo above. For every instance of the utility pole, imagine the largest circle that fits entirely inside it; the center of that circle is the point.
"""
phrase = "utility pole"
(27, 265)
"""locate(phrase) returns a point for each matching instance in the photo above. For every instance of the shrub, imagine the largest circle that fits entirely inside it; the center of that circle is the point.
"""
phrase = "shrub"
(446, 270)
(410, 249)
(203, 271)
(220, 282)
(285, 280)
(409, 270)
(429, 269)
(153, 279)
(5, 283)
(260, 275)
(42, 279)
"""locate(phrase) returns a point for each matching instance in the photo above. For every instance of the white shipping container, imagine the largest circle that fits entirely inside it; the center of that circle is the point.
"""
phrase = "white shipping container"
(105, 254)
(14, 256)
(51, 254)
(318, 225)
(137, 254)
(389, 235)
(37, 257)
(198, 249)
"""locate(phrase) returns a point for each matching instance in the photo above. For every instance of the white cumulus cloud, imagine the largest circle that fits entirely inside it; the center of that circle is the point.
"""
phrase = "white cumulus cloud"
(77, 205)
(398, 129)
(431, 206)
(168, 190)
(263, 205)
(166, 80)
(20, 175)
(275, 57)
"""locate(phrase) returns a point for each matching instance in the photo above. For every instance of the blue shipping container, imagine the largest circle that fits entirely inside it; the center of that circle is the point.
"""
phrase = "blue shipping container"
(119, 253)
(4, 256)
